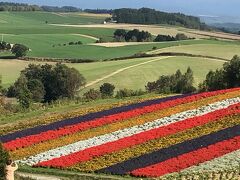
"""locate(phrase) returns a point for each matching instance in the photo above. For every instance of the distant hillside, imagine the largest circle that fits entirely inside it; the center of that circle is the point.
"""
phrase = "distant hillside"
(151, 16)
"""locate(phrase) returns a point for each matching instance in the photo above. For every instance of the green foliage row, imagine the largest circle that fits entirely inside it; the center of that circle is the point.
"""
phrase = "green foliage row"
(132, 36)
(175, 83)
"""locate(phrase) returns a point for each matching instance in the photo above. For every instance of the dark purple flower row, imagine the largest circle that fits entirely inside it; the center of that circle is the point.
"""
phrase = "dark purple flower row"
(84, 118)
(172, 151)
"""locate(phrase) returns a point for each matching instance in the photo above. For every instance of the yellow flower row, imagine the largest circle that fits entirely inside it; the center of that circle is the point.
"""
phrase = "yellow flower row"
(150, 146)
(82, 135)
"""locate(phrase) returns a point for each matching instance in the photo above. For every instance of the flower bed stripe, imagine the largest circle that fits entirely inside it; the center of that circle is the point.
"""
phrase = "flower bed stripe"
(95, 141)
(84, 118)
(91, 116)
(44, 120)
(53, 134)
(229, 161)
(88, 154)
(190, 159)
(154, 145)
(45, 146)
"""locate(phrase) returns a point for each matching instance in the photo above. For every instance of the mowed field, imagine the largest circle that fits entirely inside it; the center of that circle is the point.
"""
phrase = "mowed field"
(215, 50)
(133, 73)
(46, 33)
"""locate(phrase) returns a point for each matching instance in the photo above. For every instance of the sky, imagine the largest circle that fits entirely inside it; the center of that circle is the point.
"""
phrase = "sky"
(193, 7)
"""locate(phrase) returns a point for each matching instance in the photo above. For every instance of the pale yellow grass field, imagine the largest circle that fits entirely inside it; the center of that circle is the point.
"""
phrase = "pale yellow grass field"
(120, 44)
(215, 50)
(153, 29)
(164, 30)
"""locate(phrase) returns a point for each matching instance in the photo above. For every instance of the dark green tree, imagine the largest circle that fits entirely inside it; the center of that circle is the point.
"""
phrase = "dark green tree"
(20, 50)
(226, 77)
(107, 90)
(24, 98)
(4, 157)
(37, 90)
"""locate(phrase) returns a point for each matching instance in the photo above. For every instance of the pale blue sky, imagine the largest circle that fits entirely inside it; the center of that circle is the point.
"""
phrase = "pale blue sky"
(195, 7)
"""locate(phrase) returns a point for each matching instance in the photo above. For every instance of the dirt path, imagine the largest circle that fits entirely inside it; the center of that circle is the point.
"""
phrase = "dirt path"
(38, 176)
(87, 36)
(123, 69)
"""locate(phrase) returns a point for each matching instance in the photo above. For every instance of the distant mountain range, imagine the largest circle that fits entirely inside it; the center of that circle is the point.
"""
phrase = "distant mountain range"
(227, 23)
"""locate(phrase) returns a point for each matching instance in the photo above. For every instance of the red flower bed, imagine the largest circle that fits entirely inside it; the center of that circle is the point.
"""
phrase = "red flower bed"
(189, 159)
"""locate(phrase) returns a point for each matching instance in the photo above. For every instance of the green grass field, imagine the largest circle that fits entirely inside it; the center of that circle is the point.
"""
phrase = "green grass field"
(31, 29)
(133, 78)
(216, 50)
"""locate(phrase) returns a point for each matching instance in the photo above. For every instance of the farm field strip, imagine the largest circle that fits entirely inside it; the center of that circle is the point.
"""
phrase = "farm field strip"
(132, 140)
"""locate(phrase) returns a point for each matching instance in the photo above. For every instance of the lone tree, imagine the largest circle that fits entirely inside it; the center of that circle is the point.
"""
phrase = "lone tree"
(20, 50)
(4, 156)
(107, 90)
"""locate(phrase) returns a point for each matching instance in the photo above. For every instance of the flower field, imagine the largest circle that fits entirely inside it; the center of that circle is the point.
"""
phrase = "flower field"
(145, 139)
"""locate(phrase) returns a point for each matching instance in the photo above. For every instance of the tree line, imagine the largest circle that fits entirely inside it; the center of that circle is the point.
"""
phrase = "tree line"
(151, 16)
(121, 35)
(9, 6)
(6, 6)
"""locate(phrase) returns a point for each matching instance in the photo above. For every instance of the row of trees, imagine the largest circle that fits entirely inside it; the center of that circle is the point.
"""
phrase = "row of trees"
(151, 16)
(46, 83)
(175, 83)
(132, 36)
(6, 6)
(107, 91)
(178, 37)
(135, 35)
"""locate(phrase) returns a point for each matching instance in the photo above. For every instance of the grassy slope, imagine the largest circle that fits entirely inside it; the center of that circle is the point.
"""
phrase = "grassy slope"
(139, 75)
(216, 50)
(150, 72)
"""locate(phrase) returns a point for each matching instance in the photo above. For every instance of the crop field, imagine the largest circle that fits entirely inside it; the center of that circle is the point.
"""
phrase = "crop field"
(151, 138)
(215, 50)
(140, 74)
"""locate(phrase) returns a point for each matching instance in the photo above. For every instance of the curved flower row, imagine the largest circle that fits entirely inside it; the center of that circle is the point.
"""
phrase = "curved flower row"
(56, 133)
(188, 159)
(98, 140)
(48, 145)
(36, 126)
(117, 159)
(96, 151)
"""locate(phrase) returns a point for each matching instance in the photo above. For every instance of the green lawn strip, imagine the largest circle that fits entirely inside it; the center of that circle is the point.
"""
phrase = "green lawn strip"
(72, 174)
